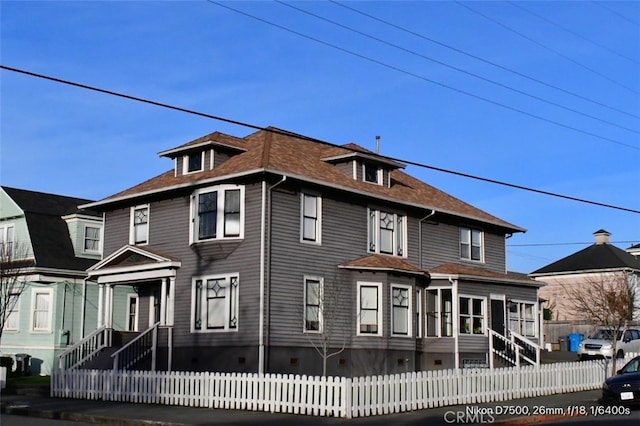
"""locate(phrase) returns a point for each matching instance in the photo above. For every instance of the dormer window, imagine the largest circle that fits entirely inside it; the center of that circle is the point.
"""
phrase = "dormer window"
(372, 174)
(193, 162)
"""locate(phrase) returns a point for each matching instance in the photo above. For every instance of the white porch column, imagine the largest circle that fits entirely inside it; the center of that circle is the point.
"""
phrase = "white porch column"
(172, 301)
(100, 305)
(108, 321)
(163, 302)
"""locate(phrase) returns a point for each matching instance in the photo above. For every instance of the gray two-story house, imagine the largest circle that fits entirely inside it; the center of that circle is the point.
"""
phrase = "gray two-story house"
(271, 252)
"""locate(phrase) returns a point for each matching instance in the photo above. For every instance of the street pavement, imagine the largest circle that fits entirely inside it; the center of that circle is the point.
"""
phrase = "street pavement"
(536, 410)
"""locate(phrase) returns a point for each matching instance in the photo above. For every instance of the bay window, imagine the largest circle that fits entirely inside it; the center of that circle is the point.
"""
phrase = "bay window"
(218, 213)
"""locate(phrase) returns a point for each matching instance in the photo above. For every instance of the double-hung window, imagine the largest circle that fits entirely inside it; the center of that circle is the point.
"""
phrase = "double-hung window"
(13, 308)
(369, 309)
(401, 310)
(41, 309)
(471, 315)
(215, 303)
(92, 239)
(387, 233)
(439, 313)
(311, 218)
(471, 244)
(218, 213)
(313, 299)
(139, 225)
(6, 242)
(522, 318)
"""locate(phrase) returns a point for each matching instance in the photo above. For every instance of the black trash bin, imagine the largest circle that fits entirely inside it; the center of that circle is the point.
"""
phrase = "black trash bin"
(23, 364)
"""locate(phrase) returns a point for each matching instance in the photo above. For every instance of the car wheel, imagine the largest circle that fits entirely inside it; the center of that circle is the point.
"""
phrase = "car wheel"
(620, 354)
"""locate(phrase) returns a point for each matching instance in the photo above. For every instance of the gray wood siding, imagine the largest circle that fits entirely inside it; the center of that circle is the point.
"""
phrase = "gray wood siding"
(441, 244)
(169, 221)
(346, 167)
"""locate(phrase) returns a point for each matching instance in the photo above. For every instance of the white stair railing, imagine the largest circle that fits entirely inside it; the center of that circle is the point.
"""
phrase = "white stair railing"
(86, 349)
(134, 351)
(530, 348)
(504, 348)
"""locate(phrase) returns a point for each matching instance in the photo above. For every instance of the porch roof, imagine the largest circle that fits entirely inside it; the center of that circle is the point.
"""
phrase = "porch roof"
(473, 273)
(378, 262)
(133, 263)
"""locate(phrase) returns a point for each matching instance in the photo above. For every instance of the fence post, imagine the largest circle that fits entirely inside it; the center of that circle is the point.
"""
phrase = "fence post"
(345, 397)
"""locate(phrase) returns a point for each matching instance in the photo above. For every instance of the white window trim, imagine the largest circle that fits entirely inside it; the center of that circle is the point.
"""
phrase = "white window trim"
(419, 309)
(137, 318)
(212, 154)
(439, 313)
(378, 174)
(4, 230)
(226, 328)
(132, 230)
(320, 308)
(409, 310)
(194, 220)
(536, 324)
(482, 244)
(470, 315)
(35, 291)
(380, 307)
(318, 240)
(185, 164)
(395, 232)
(15, 310)
(84, 238)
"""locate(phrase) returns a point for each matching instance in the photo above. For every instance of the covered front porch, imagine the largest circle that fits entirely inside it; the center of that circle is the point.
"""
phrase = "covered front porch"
(134, 327)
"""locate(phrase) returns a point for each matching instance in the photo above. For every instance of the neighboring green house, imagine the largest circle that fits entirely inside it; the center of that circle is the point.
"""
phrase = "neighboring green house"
(56, 242)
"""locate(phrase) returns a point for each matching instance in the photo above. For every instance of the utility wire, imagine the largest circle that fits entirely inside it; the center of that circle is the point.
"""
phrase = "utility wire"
(555, 24)
(564, 244)
(619, 15)
(478, 58)
(544, 46)
(286, 133)
(488, 80)
(395, 68)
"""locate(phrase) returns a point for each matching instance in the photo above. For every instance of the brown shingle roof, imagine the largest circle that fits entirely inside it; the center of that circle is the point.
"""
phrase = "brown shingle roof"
(383, 263)
(302, 158)
(472, 271)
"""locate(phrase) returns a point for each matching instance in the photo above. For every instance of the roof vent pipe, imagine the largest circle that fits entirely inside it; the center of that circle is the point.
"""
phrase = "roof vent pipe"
(377, 144)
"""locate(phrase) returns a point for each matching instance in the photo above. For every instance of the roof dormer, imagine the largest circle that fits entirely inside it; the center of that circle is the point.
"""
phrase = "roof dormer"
(364, 166)
(203, 154)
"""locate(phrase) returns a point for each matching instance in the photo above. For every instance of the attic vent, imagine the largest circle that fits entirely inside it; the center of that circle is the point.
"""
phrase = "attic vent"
(602, 236)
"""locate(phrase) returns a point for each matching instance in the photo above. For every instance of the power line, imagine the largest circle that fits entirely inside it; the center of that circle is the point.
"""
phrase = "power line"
(565, 244)
(544, 46)
(287, 133)
(619, 15)
(478, 58)
(488, 80)
(395, 68)
(549, 21)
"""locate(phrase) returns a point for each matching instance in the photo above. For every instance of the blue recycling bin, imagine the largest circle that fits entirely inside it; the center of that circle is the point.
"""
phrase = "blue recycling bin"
(574, 341)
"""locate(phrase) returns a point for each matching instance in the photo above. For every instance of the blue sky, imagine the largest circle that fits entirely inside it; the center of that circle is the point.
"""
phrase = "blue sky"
(539, 94)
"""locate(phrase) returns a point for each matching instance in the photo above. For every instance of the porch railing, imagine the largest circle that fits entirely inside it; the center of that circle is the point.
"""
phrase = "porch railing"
(504, 348)
(134, 351)
(85, 349)
(530, 349)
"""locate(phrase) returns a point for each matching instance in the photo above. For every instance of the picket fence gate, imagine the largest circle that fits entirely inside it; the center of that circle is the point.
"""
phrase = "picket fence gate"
(328, 396)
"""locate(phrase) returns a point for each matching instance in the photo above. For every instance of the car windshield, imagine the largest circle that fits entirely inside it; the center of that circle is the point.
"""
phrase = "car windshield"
(632, 367)
(604, 334)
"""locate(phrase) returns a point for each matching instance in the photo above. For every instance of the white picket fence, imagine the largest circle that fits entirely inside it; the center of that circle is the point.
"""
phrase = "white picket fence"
(328, 396)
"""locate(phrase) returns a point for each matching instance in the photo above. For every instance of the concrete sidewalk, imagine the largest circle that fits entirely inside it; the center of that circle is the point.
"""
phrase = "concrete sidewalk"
(540, 409)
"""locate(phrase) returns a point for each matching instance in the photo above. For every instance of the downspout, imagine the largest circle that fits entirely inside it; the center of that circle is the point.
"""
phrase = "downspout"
(454, 322)
(265, 242)
(420, 235)
(84, 307)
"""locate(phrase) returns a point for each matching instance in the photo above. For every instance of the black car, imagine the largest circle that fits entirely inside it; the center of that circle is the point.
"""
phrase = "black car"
(624, 387)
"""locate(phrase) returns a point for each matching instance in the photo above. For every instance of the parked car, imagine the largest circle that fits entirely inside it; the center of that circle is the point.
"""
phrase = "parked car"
(600, 343)
(624, 387)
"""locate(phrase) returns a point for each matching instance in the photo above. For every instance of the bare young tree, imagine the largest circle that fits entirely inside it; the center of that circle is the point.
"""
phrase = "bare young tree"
(324, 318)
(608, 299)
(13, 262)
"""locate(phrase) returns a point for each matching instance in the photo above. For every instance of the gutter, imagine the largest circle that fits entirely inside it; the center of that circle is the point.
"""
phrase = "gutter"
(265, 243)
